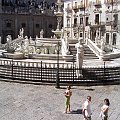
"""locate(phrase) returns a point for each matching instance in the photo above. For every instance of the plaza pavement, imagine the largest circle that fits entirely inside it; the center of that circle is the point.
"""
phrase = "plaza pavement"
(42, 102)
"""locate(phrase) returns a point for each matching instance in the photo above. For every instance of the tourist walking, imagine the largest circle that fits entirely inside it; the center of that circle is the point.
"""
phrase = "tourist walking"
(86, 110)
(67, 94)
(104, 110)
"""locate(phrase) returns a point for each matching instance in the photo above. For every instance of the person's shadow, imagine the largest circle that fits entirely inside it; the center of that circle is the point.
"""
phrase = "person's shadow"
(78, 111)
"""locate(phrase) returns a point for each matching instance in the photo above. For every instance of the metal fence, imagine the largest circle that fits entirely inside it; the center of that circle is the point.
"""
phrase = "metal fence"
(49, 73)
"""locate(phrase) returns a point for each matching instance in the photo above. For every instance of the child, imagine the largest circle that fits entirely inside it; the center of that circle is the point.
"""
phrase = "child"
(68, 94)
(104, 110)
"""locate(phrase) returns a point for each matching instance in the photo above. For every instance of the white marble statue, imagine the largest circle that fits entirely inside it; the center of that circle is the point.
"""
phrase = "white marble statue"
(79, 57)
(36, 37)
(9, 39)
(21, 32)
(54, 37)
(97, 37)
(41, 33)
(102, 43)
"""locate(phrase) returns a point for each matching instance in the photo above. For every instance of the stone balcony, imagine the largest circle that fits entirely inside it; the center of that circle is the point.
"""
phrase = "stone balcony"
(26, 10)
(81, 7)
(68, 10)
(98, 5)
(76, 8)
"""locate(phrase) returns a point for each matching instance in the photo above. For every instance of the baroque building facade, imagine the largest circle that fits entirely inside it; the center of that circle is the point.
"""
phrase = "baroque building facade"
(31, 15)
(95, 20)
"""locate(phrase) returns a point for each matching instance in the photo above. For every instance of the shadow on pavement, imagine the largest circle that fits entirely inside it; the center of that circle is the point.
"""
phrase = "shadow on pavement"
(90, 89)
(78, 111)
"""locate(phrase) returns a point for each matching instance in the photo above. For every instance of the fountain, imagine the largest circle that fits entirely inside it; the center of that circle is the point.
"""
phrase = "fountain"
(59, 15)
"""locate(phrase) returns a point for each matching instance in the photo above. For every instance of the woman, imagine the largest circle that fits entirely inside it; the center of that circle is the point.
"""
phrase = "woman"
(104, 110)
(68, 94)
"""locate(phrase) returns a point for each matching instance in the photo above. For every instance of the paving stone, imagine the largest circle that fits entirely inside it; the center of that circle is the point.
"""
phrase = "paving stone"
(42, 102)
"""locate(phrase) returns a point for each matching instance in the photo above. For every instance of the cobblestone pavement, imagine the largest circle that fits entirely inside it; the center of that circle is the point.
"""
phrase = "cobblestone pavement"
(40, 102)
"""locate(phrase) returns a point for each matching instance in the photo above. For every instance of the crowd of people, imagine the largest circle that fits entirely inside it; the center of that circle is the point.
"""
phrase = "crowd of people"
(86, 108)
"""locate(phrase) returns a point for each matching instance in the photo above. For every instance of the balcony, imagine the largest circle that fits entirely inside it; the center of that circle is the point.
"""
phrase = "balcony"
(97, 11)
(82, 7)
(75, 15)
(111, 2)
(26, 10)
(109, 11)
(75, 25)
(68, 25)
(98, 4)
(68, 10)
(68, 16)
(76, 8)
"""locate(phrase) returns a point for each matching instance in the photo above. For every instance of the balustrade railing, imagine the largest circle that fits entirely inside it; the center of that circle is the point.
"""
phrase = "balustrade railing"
(94, 47)
(26, 10)
(37, 71)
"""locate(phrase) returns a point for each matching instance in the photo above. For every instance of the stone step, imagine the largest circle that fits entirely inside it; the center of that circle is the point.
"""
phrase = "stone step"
(88, 54)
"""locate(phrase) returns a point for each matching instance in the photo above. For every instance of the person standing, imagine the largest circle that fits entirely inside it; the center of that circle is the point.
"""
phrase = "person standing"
(104, 110)
(67, 94)
(86, 110)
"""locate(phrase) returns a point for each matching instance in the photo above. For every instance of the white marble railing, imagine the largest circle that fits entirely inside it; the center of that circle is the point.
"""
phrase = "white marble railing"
(94, 48)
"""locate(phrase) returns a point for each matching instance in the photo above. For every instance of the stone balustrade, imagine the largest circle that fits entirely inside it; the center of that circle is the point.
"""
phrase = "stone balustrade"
(94, 47)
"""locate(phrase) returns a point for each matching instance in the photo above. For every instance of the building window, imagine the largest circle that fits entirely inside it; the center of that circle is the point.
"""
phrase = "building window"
(75, 35)
(115, 20)
(114, 39)
(80, 34)
(68, 5)
(50, 26)
(68, 22)
(23, 25)
(81, 21)
(75, 4)
(97, 19)
(107, 38)
(8, 25)
(37, 25)
(75, 22)
(86, 21)
(106, 19)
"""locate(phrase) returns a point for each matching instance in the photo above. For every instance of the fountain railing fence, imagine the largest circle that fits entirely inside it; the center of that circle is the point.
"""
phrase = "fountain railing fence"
(40, 72)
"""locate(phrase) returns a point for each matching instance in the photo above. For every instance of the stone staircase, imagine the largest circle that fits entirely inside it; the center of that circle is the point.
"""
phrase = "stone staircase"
(88, 54)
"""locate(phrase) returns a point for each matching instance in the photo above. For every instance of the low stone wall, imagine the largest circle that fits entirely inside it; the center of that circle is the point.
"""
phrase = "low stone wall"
(110, 56)
(51, 57)
(13, 55)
